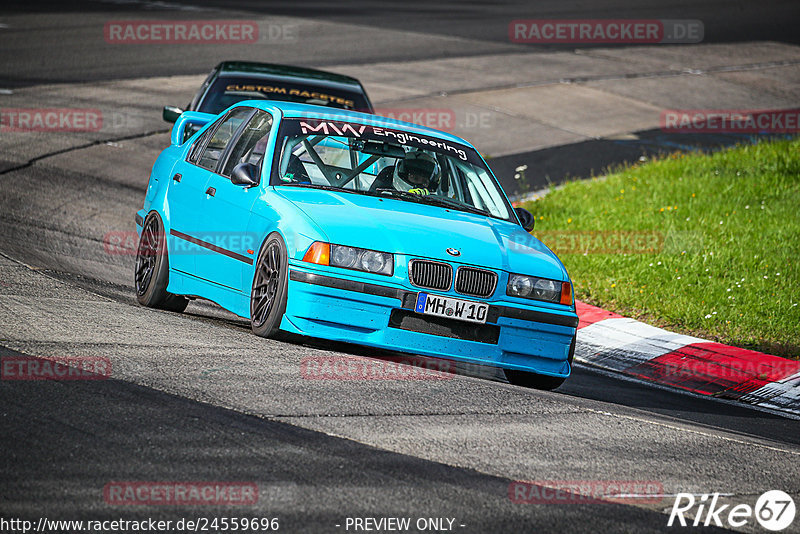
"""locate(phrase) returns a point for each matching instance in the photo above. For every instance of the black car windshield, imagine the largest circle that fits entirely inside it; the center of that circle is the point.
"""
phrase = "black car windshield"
(228, 90)
(381, 161)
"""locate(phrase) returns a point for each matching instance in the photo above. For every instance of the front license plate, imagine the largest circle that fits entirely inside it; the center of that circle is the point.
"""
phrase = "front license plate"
(464, 310)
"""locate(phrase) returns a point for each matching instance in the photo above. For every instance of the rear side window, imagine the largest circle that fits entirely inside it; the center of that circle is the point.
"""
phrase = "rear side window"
(215, 148)
(197, 148)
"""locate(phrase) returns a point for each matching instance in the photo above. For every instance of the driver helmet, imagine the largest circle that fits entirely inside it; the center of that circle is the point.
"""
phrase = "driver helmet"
(417, 170)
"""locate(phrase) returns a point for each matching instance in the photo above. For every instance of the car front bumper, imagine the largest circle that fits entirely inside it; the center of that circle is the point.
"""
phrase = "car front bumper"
(332, 306)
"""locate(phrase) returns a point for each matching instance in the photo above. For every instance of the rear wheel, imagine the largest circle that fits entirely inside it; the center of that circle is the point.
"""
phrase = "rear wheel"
(268, 294)
(152, 269)
(537, 381)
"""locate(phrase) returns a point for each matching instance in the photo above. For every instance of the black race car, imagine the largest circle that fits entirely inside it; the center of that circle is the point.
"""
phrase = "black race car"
(233, 81)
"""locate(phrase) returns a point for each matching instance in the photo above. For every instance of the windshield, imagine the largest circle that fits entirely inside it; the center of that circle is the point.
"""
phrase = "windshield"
(380, 161)
(228, 90)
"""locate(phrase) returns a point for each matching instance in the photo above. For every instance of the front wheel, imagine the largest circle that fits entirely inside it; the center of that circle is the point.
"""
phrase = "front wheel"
(152, 269)
(268, 294)
(537, 381)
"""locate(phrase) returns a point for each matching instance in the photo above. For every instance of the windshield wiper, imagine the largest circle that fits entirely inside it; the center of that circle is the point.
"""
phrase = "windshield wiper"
(432, 200)
(443, 202)
(310, 186)
(448, 203)
(326, 188)
(384, 191)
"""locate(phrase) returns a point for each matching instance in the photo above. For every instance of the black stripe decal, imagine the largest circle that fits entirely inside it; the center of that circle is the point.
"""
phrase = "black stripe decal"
(215, 248)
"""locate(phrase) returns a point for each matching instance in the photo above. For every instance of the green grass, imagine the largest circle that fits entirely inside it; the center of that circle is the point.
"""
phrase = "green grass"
(726, 228)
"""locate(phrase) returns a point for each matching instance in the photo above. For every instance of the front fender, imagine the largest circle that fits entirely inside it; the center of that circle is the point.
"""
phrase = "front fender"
(271, 212)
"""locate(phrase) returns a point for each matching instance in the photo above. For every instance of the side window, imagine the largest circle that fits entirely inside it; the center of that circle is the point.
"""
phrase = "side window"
(221, 137)
(252, 144)
(197, 148)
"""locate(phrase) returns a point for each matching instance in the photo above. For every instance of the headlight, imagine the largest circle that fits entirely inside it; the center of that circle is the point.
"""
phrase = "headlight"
(376, 262)
(531, 287)
(519, 286)
(360, 259)
(343, 256)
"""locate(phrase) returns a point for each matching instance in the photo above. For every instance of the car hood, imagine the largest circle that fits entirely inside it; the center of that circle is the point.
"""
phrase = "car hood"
(421, 230)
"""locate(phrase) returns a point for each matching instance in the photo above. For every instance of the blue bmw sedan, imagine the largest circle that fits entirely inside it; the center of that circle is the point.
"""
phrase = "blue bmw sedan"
(346, 226)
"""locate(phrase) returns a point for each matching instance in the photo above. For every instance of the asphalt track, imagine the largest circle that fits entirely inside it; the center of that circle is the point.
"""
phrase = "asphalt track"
(197, 397)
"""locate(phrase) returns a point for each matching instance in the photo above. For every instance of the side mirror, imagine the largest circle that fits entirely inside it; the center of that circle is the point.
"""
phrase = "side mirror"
(245, 174)
(171, 113)
(525, 218)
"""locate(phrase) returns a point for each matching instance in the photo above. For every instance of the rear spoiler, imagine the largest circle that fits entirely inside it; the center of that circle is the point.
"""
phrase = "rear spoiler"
(186, 118)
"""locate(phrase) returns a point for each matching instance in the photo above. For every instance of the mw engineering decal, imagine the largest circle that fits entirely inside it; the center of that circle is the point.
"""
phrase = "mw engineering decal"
(378, 133)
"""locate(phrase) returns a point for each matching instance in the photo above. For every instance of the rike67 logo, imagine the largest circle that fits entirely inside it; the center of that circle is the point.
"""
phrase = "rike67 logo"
(774, 510)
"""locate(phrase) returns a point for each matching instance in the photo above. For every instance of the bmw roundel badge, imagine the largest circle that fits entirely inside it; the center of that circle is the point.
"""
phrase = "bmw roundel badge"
(453, 252)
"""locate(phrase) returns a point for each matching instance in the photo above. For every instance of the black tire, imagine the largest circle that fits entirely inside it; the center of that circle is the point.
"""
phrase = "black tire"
(536, 381)
(152, 269)
(270, 286)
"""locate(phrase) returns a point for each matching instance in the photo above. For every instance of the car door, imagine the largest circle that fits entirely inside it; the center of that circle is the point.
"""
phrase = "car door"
(226, 207)
(188, 245)
(186, 189)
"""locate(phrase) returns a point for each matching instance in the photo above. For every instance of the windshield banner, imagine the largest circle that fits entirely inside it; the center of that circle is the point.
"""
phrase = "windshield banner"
(381, 133)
